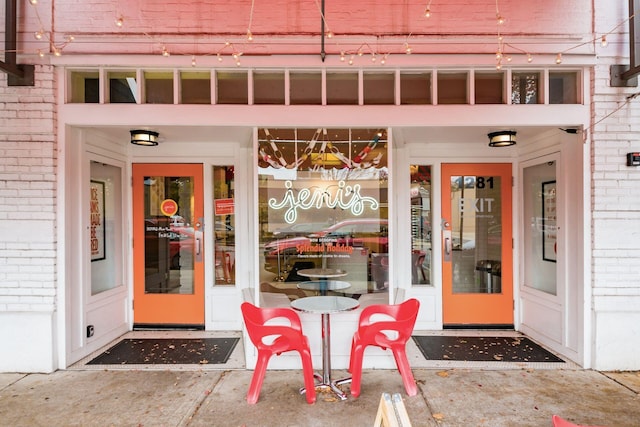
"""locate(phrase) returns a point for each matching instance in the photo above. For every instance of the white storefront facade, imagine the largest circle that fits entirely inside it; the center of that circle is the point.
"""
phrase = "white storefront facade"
(366, 151)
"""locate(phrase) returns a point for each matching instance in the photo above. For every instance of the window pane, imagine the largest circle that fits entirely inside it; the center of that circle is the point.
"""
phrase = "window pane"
(232, 88)
(195, 87)
(85, 87)
(476, 230)
(342, 88)
(415, 88)
(224, 215)
(268, 88)
(525, 88)
(169, 242)
(563, 88)
(489, 88)
(105, 233)
(123, 87)
(539, 189)
(158, 87)
(305, 88)
(452, 88)
(379, 88)
(420, 225)
(323, 204)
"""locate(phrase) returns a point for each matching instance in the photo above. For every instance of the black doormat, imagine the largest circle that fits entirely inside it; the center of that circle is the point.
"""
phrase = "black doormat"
(167, 351)
(483, 349)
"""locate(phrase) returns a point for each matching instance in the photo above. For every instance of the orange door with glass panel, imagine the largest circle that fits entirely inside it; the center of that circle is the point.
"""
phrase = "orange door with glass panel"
(168, 244)
(477, 282)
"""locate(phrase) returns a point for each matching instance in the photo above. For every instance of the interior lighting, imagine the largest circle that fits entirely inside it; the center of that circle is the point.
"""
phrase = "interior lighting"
(503, 138)
(143, 137)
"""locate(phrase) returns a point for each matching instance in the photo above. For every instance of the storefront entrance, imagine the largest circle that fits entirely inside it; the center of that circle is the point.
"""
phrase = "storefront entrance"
(168, 245)
(477, 244)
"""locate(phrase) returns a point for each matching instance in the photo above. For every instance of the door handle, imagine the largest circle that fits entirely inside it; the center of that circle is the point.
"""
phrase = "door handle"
(447, 243)
(198, 248)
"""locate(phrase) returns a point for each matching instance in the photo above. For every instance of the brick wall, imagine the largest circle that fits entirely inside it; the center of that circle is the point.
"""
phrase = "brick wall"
(386, 23)
(615, 202)
(28, 162)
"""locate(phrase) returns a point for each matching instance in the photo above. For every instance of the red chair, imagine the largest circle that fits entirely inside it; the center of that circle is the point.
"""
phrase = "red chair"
(287, 338)
(372, 333)
(559, 422)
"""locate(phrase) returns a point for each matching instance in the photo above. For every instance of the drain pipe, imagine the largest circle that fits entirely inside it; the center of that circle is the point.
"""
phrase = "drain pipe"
(18, 74)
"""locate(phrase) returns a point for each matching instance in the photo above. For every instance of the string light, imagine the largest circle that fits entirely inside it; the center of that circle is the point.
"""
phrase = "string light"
(249, 33)
(376, 57)
(193, 60)
(427, 10)
(329, 33)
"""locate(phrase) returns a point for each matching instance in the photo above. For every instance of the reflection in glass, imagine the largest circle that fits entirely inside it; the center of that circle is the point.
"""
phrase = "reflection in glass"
(323, 204)
(476, 228)
(224, 225)
(170, 239)
(420, 225)
(123, 87)
(540, 234)
(105, 231)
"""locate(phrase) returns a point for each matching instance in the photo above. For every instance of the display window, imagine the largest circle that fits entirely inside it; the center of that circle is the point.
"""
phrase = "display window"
(323, 204)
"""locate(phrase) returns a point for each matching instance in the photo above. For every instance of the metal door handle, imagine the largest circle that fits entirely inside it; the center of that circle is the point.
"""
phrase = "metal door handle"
(447, 246)
(197, 246)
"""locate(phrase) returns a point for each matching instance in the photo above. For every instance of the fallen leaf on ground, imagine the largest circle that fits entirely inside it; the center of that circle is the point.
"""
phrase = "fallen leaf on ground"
(438, 416)
(443, 374)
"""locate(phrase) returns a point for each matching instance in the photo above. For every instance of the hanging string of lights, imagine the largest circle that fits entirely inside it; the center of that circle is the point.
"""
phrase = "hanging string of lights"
(228, 49)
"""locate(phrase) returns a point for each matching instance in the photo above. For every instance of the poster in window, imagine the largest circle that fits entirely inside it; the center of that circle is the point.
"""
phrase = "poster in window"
(97, 233)
(549, 222)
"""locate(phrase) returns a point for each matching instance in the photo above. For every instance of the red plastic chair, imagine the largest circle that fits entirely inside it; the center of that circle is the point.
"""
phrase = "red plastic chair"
(287, 338)
(371, 333)
(559, 422)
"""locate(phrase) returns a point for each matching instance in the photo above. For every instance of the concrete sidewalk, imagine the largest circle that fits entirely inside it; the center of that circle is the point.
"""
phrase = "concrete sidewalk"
(447, 397)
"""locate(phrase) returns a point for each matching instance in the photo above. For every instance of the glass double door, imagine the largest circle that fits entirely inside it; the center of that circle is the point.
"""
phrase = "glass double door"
(477, 244)
(168, 244)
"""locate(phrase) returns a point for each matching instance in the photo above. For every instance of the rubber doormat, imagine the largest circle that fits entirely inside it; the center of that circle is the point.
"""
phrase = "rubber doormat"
(167, 351)
(483, 349)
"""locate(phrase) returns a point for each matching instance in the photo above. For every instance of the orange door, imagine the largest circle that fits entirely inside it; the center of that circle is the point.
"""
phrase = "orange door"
(477, 254)
(168, 249)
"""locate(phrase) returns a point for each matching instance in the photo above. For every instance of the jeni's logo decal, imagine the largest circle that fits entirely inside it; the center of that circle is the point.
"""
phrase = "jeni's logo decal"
(346, 197)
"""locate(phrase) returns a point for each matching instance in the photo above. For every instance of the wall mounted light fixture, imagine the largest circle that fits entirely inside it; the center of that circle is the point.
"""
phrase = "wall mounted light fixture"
(144, 137)
(503, 138)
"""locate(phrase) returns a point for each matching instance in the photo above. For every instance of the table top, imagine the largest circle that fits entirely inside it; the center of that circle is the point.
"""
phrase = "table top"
(325, 304)
(324, 285)
(326, 273)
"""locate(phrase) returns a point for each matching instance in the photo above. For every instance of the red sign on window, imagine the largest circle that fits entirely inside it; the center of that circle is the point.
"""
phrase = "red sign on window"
(223, 207)
(168, 207)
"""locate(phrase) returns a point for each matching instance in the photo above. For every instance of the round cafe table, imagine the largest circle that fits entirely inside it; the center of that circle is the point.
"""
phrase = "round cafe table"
(325, 306)
(322, 286)
(322, 273)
